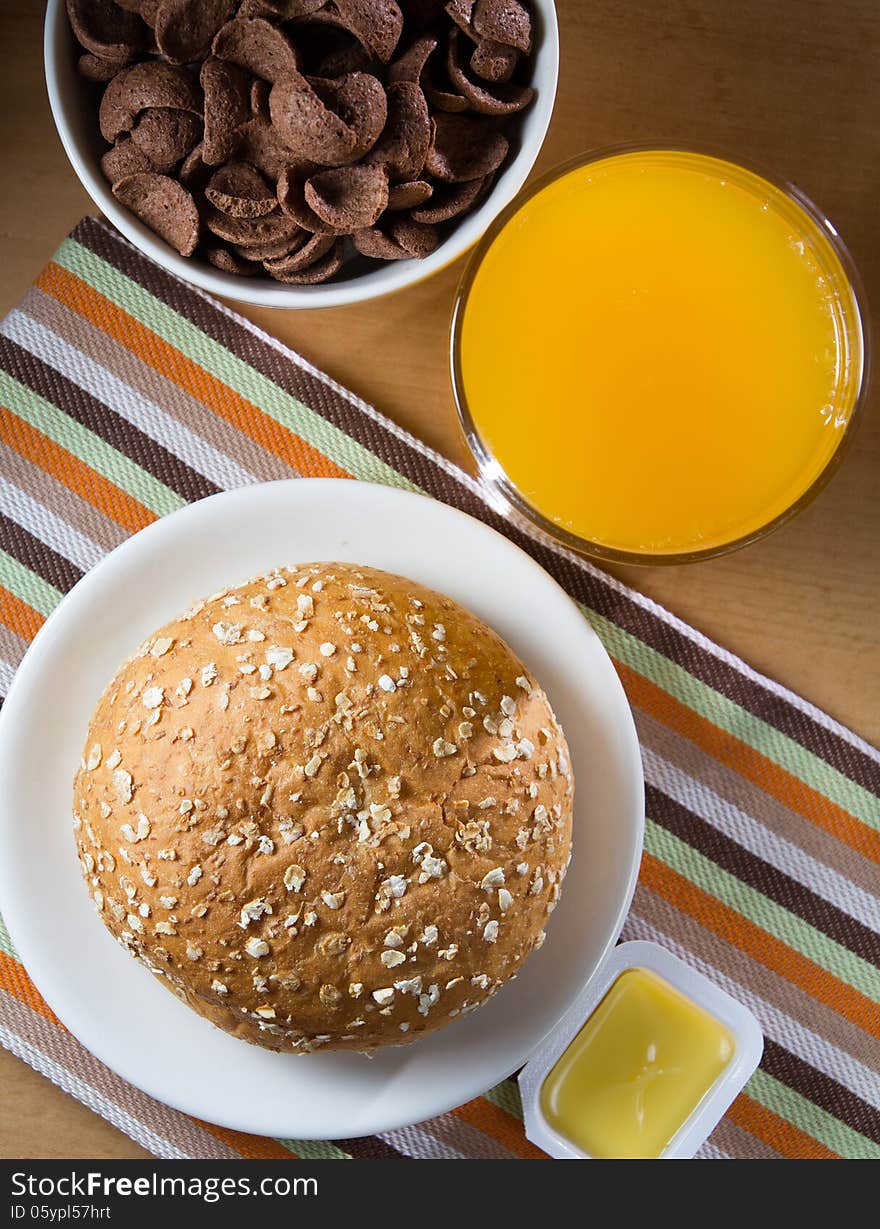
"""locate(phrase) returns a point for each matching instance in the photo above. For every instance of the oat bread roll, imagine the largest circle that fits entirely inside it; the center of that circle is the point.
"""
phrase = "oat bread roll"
(329, 807)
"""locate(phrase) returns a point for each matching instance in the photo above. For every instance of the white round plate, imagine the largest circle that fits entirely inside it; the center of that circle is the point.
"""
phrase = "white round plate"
(113, 1005)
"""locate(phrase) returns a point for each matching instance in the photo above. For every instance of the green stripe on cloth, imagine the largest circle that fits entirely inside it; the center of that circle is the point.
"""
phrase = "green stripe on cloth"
(765, 913)
(6, 942)
(27, 585)
(214, 358)
(88, 447)
(315, 1149)
(729, 716)
(810, 1118)
(506, 1097)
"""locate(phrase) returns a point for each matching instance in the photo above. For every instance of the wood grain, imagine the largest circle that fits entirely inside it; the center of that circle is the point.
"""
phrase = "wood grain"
(792, 85)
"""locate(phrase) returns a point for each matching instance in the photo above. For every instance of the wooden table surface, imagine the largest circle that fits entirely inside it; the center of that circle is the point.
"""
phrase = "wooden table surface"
(792, 84)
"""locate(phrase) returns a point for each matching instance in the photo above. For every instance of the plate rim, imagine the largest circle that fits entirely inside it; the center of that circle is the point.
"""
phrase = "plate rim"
(236, 1120)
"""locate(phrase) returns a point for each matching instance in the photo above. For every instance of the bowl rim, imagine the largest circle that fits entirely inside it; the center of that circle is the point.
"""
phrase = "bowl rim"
(268, 293)
(501, 490)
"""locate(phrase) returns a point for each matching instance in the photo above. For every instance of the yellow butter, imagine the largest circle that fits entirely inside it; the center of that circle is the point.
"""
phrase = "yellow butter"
(636, 1071)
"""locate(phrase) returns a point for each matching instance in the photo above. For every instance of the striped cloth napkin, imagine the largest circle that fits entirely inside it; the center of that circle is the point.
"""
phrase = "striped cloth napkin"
(124, 395)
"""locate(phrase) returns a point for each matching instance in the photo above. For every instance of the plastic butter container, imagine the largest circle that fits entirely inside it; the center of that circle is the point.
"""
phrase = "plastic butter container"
(644, 1063)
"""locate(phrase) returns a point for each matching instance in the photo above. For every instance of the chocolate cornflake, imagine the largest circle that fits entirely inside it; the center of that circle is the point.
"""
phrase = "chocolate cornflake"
(295, 261)
(248, 231)
(241, 191)
(348, 198)
(257, 46)
(451, 200)
(184, 29)
(96, 68)
(409, 195)
(107, 30)
(151, 83)
(463, 150)
(124, 158)
(166, 135)
(164, 205)
(227, 107)
(228, 261)
(317, 271)
(403, 146)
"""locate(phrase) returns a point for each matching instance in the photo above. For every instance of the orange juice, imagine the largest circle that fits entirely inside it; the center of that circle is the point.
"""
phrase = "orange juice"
(661, 351)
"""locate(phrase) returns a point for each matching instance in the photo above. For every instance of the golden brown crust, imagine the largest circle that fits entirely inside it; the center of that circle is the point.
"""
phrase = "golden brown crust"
(330, 806)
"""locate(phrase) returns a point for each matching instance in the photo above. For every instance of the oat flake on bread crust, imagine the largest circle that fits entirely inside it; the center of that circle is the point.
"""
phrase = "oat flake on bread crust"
(329, 807)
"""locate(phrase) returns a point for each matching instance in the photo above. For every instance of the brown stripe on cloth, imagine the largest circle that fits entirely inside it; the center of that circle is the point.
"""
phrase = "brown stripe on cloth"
(370, 1148)
(36, 555)
(822, 1089)
(12, 646)
(99, 418)
(773, 883)
(60, 499)
(584, 582)
(742, 793)
(144, 379)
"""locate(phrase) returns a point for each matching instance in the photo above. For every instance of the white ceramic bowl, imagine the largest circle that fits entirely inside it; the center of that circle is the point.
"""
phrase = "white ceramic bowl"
(112, 1004)
(76, 119)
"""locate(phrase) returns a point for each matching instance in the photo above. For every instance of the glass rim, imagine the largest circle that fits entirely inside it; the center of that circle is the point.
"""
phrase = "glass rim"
(492, 475)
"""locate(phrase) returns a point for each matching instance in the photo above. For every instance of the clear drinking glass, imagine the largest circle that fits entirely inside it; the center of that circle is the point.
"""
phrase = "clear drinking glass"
(853, 343)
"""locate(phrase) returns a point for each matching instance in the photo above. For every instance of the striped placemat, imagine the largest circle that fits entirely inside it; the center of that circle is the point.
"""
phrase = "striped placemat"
(124, 395)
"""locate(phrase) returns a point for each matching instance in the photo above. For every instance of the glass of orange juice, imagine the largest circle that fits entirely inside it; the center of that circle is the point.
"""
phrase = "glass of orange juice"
(658, 355)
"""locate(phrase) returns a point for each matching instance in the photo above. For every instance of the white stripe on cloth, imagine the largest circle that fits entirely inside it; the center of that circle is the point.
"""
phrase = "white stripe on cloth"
(779, 1027)
(7, 674)
(711, 1152)
(133, 406)
(451, 1138)
(422, 1144)
(51, 529)
(90, 1096)
(765, 844)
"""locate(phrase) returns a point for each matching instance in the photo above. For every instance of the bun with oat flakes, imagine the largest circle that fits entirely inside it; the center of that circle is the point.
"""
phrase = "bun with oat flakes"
(329, 807)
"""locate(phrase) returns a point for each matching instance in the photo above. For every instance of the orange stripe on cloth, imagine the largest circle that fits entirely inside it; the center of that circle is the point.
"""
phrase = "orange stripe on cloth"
(251, 1147)
(18, 616)
(117, 505)
(749, 763)
(157, 353)
(783, 1136)
(769, 951)
(14, 979)
(501, 1127)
